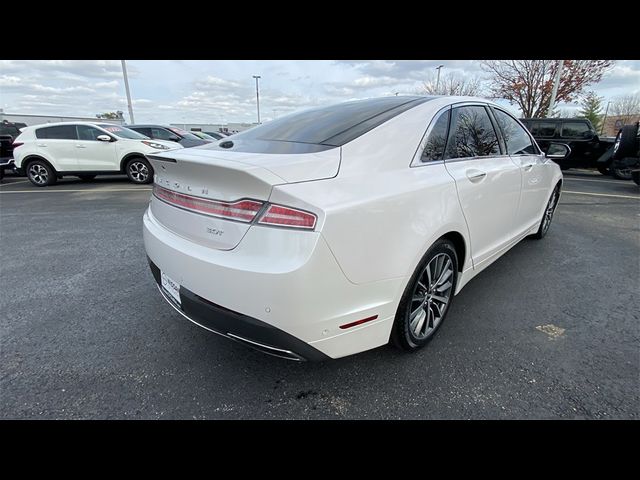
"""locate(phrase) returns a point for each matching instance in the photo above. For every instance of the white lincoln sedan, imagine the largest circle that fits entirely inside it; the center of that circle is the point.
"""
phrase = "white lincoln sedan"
(333, 231)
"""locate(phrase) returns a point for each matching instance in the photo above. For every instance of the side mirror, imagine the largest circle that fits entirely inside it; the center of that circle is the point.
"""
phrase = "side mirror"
(104, 138)
(558, 151)
(174, 138)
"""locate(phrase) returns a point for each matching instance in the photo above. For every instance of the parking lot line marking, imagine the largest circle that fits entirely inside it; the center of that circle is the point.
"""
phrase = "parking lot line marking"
(619, 182)
(81, 191)
(602, 194)
(13, 183)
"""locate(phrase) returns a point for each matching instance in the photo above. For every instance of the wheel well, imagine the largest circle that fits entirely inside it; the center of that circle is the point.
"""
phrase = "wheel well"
(461, 249)
(123, 162)
(31, 158)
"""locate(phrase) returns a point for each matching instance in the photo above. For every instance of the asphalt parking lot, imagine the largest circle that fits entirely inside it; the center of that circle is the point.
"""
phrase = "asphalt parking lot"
(551, 330)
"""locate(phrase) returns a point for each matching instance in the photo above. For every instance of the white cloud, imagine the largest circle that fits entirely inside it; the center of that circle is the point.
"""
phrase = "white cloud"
(202, 91)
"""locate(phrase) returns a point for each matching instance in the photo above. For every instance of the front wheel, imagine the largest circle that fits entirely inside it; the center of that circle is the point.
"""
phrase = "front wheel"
(545, 223)
(41, 174)
(427, 298)
(621, 173)
(139, 171)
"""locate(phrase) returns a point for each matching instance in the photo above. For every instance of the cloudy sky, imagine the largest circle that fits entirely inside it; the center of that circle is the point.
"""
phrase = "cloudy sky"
(215, 91)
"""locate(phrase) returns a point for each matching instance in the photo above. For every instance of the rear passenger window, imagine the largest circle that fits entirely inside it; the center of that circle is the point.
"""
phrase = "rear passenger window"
(543, 129)
(60, 132)
(575, 130)
(433, 147)
(471, 134)
(517, 139)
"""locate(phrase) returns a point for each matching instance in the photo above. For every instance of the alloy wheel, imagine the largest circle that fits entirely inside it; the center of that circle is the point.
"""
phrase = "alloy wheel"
(139, 171)
(548, 213)
(430, 296)
(38, 174)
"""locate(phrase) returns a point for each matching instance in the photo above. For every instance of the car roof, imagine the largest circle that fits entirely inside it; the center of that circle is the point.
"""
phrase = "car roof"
(557, 119)
(57, 124)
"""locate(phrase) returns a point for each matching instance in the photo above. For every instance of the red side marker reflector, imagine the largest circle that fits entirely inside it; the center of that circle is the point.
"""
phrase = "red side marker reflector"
(358, 322)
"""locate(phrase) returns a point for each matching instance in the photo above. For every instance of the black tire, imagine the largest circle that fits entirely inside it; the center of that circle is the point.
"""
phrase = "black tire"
(621, 173)
(604, 170)
(139, 171)
(403, 335)
(40, 173)
(547, 216)
(86, 178)
(626, 143)
(636, 177)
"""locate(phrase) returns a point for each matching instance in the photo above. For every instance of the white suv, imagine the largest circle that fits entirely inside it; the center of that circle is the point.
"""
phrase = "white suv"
(48, 152)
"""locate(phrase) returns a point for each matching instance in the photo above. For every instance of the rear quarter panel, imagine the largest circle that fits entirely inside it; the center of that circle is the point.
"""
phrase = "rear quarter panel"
(381, 215)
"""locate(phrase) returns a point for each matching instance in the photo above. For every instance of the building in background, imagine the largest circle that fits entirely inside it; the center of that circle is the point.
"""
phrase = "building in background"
(30, 120)
(229, 128)
(614, 123)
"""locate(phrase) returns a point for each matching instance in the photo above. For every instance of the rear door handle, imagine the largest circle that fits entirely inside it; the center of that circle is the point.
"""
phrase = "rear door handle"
(475, 175)
(81, 146)
(528, 167)
(42, 144)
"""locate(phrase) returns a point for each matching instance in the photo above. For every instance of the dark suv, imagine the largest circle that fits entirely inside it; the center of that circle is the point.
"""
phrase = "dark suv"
(8, 133)
(587, 149)
(173, 134)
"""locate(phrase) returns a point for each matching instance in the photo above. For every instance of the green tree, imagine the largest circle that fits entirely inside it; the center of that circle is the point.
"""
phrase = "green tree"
(591, 109)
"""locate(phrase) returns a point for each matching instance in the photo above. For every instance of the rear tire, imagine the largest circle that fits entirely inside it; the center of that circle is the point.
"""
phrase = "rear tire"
(427, 298)
(139, 171)
(40, 173)
(547, 216)
(626, 143)
(621, 173)
(86, 178)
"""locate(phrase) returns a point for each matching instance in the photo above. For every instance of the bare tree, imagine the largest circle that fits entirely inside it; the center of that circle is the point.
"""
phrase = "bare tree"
(626, 106)
(451, 84)
(528, 83)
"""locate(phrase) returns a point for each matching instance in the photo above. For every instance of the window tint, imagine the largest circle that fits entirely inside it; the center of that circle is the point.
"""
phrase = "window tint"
(517, 139)
(60, 132)
(471, 134)
(543, 129)
(575, 130)
(433, 147)
(334, 125)
(86, 132)
(162, 134)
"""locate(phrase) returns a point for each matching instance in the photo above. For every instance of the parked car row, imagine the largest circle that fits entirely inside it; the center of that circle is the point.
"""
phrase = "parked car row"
(45, 153)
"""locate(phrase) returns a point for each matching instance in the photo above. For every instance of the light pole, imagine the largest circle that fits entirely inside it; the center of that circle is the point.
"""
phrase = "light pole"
(438, 79)
(257, 77)
(554, 92)
(126, 87)
(605, 117)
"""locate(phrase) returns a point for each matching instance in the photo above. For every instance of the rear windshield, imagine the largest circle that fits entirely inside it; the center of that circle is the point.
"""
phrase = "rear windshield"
(122, 132)
(321, 128)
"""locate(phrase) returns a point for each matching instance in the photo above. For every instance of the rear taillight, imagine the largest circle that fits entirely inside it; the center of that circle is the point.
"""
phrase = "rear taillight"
(280, 216)
(241, 210)
(17, 144)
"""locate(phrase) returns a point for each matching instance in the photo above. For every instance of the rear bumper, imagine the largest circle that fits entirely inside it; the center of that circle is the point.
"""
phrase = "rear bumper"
(281, 289)
(235, 326)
